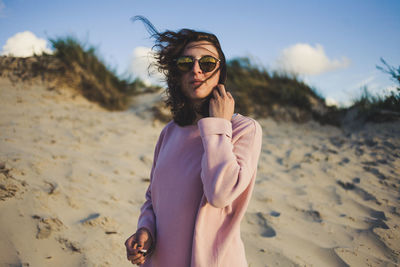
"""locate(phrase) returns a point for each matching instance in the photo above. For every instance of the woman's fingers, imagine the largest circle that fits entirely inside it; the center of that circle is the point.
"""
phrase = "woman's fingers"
(135, 257)
(133, 253)
(137, 260)
(133, 246)
(216, 94)
(221, 89)
(220, 92)
(222, 105)
(129, 244)
(140, 240)
(144, 239)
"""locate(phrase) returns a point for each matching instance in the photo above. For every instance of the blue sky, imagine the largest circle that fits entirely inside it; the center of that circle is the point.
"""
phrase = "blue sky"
(333, 45)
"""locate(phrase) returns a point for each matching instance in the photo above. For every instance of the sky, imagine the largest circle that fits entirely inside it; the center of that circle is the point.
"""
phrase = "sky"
(334, 46)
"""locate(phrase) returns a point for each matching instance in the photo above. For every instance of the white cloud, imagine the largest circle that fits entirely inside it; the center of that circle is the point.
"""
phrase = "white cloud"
(25, 44)
(329, 101)
(306, 59)
(142, 58)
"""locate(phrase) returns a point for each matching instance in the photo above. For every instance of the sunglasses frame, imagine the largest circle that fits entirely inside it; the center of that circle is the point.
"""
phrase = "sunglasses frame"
(198, 60)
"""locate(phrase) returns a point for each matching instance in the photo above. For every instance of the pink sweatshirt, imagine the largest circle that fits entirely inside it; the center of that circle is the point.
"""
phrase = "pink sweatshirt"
(201, 182)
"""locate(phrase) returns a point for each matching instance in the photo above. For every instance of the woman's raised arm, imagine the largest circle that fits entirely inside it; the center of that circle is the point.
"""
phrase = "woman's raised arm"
(228, 165)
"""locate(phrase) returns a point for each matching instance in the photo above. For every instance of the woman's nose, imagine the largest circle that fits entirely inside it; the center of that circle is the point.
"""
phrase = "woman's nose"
(196, 67)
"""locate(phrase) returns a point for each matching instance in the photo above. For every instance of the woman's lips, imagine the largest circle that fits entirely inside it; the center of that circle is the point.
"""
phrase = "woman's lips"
(196, 82)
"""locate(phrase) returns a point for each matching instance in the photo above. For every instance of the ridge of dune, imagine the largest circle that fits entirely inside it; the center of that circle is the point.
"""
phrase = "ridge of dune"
(73, 177)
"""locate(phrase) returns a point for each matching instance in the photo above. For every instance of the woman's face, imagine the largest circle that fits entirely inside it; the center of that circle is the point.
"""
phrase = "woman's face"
(195, 83)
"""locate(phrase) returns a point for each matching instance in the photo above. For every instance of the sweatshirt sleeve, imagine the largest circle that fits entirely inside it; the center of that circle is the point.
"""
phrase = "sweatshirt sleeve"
(147, 218)
(227, 166)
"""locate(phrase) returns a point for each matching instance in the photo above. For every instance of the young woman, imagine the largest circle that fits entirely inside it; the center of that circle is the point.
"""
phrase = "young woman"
(205, 162)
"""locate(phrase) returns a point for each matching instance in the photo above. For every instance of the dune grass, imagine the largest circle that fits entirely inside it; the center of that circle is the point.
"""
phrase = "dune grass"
(258, 92)
(377, 107)
(262, 94)
(91, 76)
(370, 101)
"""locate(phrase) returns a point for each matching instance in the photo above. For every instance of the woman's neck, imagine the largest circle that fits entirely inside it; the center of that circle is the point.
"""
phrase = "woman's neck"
(198, 117)
(197, 110)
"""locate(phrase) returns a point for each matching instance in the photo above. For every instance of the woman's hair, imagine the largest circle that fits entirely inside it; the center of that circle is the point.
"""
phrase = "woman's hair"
(169, 45)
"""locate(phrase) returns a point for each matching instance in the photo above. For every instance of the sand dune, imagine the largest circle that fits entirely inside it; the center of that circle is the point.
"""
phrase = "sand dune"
(73, 177)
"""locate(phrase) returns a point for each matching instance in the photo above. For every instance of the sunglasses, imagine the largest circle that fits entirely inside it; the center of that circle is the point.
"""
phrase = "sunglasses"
(206, 63)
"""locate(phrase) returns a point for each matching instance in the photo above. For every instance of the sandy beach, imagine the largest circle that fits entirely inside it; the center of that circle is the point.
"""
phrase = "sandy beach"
(73, 177)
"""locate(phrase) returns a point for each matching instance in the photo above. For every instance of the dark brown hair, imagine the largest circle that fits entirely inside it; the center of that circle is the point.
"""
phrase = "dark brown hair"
(169, 45)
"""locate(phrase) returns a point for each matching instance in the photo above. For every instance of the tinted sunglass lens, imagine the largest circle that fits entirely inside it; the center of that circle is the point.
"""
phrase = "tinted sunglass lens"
(208, 63)
(184, 63)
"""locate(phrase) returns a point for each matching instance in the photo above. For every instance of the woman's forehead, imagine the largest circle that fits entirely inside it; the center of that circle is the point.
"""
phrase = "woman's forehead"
(202, 47)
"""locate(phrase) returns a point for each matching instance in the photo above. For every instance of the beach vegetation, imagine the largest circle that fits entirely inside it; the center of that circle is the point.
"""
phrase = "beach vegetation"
(278, 94)
(380, 107)
(88, 73)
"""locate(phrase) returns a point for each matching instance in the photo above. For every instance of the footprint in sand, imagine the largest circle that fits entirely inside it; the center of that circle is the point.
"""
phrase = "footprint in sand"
(90, 218)
(337, 141)
(108, 224)
(358, 190)
(377, 220)
(359, 151)
(371, 142)
(344, 161)
(46, 226)
(69, 245)
(9, 186)
(275, 213)
(312, 215)
(389, 145)
(370, 163)
(375, 172)
(52, 188)
(260, 221)
(279, 161)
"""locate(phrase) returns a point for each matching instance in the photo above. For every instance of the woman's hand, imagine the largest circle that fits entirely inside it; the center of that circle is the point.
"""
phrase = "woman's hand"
(141, 240)
(222, 105)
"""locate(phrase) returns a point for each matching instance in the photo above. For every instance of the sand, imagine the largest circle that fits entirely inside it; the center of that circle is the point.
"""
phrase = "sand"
(73, 178)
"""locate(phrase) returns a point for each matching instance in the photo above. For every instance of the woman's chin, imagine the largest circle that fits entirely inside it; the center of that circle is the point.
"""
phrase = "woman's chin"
(198, 96)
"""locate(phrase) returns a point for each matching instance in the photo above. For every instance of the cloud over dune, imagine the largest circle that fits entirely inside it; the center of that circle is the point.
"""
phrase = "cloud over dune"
(330, 101)
(142, 58)
(25, 44)
(305, 59)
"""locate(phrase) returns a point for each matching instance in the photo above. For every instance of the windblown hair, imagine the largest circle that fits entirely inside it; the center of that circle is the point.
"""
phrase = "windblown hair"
(169, 45)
